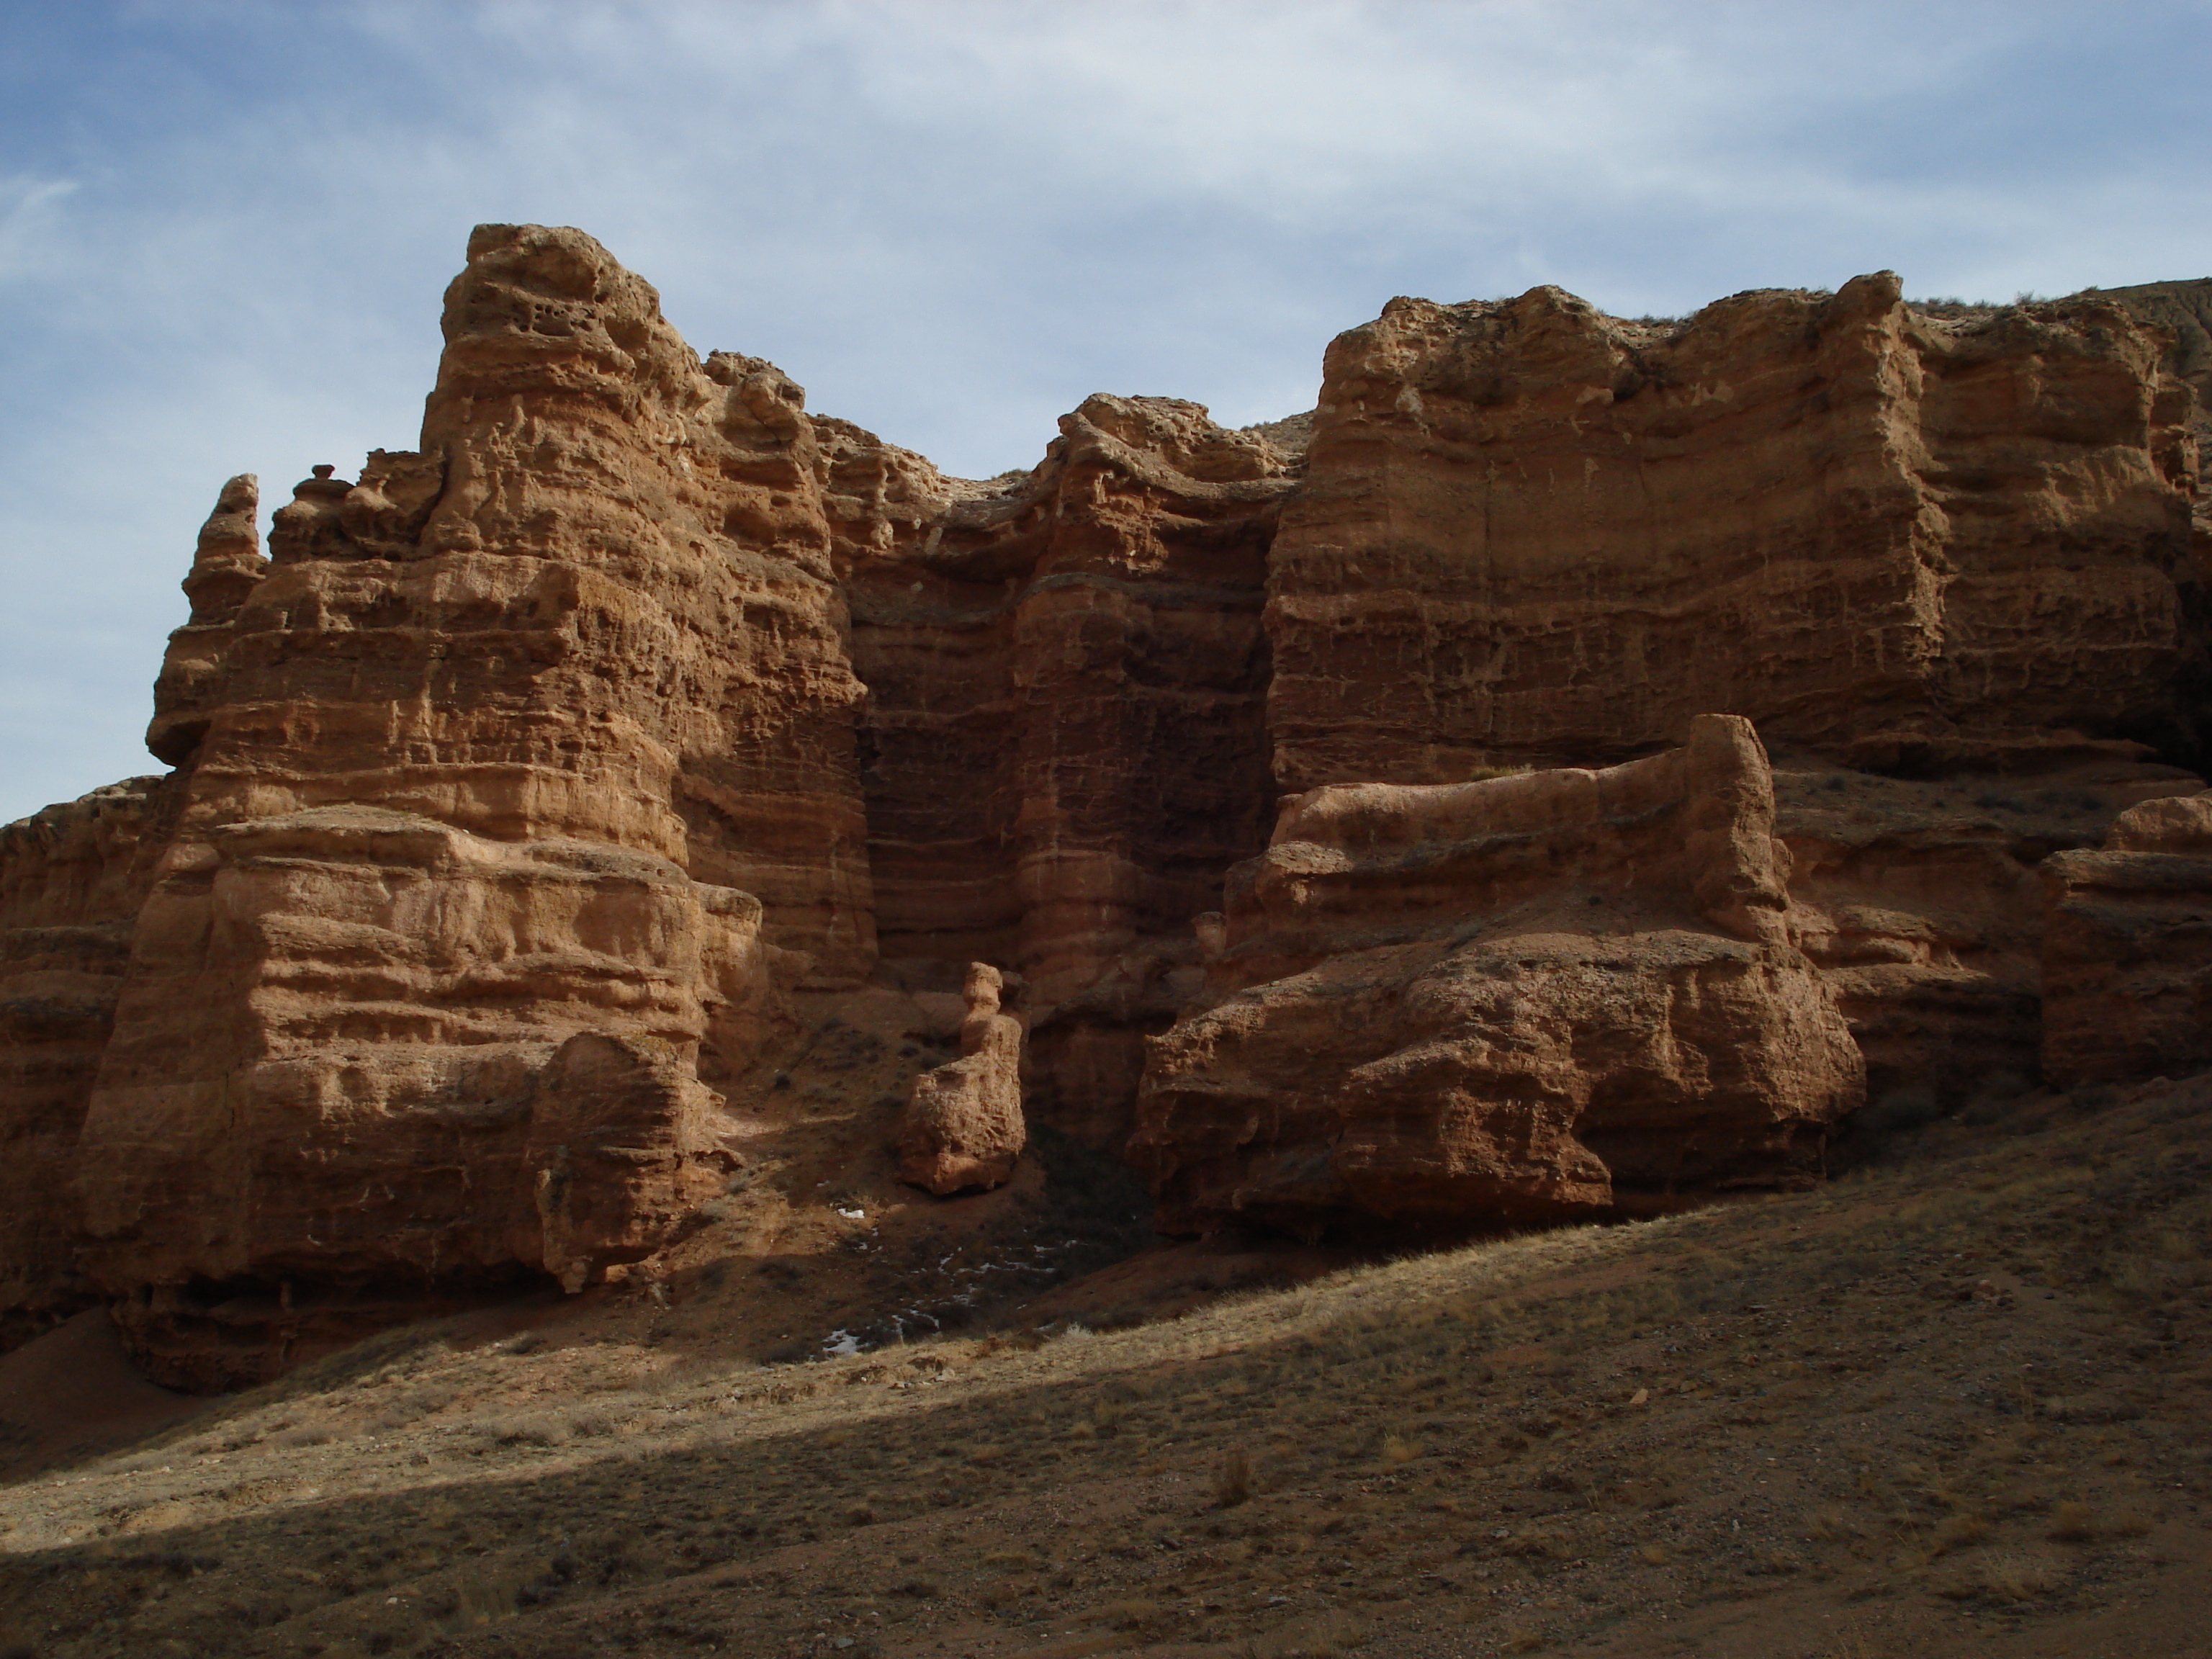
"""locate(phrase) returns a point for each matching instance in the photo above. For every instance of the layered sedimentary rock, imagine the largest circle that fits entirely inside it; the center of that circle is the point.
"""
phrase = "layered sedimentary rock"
(1530, 532)
(963, 1127)
(467, 767)
(1478, 1004)
(72, 880)
(532, 770)
(362, 1055)
(1920, 902)
(1066, 734)
(596, 602)
(2127, 949)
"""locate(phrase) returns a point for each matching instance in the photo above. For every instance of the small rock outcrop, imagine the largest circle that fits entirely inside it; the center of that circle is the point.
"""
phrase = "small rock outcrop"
(963, 1128)
(2127, 949)
(1472, 1006)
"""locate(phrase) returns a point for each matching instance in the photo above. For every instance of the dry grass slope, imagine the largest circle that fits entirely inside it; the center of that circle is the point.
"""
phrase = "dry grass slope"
(1949, 1403)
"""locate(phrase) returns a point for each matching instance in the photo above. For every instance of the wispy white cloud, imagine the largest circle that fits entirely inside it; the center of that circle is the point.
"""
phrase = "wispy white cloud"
(226, 223)
(29, 207)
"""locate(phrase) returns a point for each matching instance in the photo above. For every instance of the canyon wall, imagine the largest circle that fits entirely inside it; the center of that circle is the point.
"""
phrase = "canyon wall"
(1066, 730)
(1533, 533)
(541, 778)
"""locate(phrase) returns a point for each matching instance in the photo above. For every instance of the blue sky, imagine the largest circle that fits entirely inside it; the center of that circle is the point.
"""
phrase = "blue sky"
(225, 226)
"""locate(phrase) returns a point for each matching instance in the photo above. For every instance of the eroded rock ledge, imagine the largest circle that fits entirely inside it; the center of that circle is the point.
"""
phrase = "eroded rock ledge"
(538, 778)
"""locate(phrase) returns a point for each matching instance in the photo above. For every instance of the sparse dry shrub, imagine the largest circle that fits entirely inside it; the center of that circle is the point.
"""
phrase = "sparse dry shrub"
(2015, 1577)
(1232, 1478)
(1135, 1612)
(1329, 1636)
(1955, 1532)
(2072, 1522)
(1398, 1451)
(1831, 1525)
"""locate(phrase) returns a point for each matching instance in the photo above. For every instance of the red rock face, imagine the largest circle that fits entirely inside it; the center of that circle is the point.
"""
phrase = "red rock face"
(598, 604)
(344, 1057)
(2127, 949)
(1474, 1005)
(531, 771)
(1081, 650)
(72, 880)
(1530, 532)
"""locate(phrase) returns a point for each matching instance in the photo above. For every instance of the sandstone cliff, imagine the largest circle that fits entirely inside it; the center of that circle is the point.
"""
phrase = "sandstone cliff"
(72, 881)
(1530, 532)
(541, 781)
(1479, 1004)
(1080, 648)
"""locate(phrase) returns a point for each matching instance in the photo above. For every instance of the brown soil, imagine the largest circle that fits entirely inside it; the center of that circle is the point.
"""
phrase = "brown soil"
(1955, 1402)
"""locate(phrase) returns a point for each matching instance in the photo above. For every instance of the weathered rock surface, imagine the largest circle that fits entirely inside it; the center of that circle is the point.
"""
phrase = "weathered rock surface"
(1530, 532)
(598, 602)
(359, 1052)
(1080, 649)
(1920, 902)
(2127, 949)
(1477, 1004)
(963, 1127)
(528, 774)
(72, 880)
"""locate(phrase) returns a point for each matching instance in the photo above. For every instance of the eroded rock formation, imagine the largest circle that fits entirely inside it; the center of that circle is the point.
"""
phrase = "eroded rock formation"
(1531, 532)
(2127, 949)
(1081, 649)
(963, 1127)
(1484, 1003)
(72, 881)
(533, 772)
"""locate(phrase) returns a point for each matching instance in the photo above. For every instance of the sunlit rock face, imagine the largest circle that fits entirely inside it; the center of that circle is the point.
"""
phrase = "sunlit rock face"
(1476, 1006)
(1530, 532)
(538, 780)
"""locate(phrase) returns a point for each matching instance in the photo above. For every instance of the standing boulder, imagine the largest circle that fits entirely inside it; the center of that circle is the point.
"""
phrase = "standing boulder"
(963, 1127)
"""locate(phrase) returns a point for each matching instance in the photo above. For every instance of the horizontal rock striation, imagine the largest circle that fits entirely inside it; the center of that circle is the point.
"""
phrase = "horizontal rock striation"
(1530, 532)
(528, 780)
(72, 880)
(1481, 1004)
(358, 1051)
(2127, 949)
(1080, 649)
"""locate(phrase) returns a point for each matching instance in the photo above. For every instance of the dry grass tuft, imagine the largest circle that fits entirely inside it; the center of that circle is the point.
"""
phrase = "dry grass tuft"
(2072, 1522)
(2015, 1577)
(1232, 1478)
(1329, 1636)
